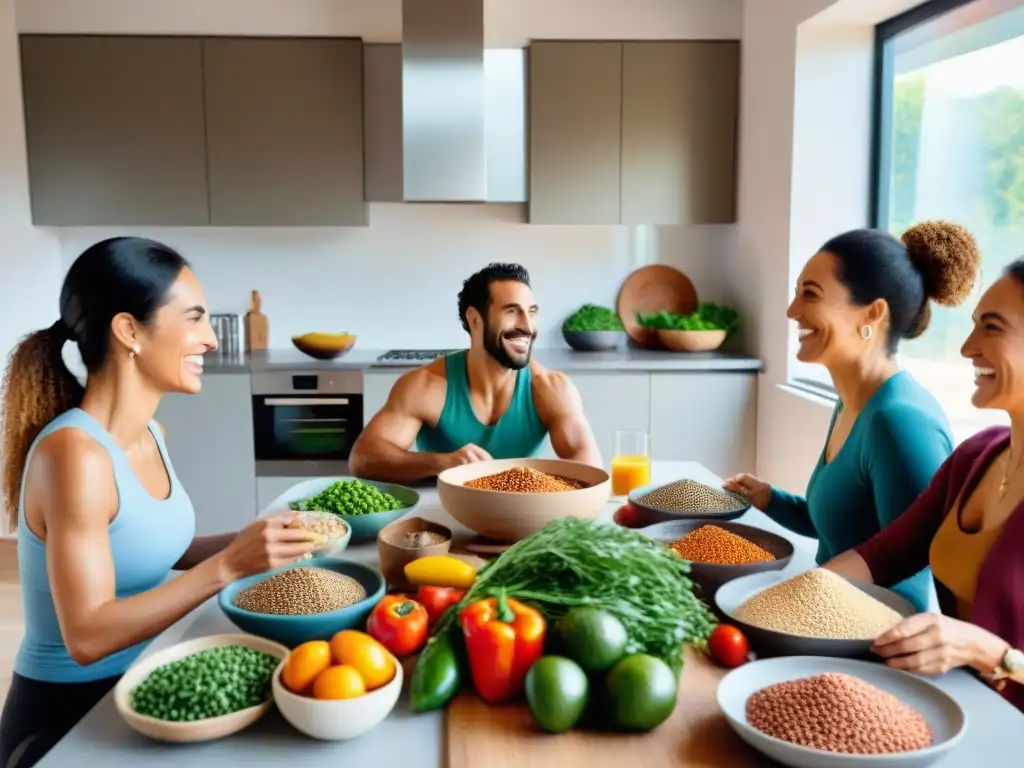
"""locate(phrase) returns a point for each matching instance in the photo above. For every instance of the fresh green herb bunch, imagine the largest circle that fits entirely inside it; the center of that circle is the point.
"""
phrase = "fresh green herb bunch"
(350, 497)
(210, 683)
(708, 317)
(572, 562)
(591, 317)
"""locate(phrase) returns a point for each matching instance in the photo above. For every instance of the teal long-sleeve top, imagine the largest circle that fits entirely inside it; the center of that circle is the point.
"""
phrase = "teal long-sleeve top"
(898, 442)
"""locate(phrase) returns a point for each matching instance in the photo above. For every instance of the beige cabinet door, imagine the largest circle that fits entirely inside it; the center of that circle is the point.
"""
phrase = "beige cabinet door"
(115, 130)
(575, 111)
(284, 122)
(679, 113)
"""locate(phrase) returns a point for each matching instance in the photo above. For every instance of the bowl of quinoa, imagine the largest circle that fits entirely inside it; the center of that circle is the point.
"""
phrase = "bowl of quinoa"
(720, 551)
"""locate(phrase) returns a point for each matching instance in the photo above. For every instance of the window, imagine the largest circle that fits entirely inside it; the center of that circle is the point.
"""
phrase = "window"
(949, 144)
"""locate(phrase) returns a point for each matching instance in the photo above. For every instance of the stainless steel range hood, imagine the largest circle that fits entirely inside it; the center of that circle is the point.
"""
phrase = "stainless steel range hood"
(460, 139)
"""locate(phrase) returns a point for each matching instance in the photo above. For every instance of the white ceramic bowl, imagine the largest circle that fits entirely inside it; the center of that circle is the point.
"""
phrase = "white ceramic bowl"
(947, 719)
(340, 719)
(200, 730)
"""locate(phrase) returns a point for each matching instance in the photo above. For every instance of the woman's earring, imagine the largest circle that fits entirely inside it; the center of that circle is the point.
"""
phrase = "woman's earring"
(865, 332)
(134, 352)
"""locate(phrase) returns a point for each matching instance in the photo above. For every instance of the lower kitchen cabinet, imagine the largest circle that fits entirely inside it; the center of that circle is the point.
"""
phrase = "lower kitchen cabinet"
(611, 401)
(376, 388)
(708, 417)
(210, 440)
(269, 488)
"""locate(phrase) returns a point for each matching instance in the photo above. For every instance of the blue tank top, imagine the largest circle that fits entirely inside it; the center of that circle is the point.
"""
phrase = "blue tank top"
(518, 434)
(147, 537)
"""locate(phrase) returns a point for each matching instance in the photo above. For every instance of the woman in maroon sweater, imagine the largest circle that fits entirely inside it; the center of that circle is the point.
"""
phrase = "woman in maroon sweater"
(968, 525)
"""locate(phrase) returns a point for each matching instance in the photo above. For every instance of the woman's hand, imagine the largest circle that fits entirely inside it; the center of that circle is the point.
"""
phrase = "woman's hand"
(754, 488)
(264, 545)
(933, 644)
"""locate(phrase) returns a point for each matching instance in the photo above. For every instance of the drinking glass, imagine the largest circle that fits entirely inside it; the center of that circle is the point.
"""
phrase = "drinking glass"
(631, 462)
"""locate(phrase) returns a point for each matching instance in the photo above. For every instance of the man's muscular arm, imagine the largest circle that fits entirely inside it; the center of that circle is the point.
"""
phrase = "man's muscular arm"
(561, 409)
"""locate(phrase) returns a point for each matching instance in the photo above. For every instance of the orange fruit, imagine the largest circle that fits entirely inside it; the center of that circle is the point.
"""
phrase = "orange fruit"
(342, 682)
(304, 664)
(371, 659)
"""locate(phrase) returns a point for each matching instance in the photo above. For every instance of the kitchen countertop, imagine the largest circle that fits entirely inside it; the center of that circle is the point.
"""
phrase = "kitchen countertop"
(561, 359)
(417, 741)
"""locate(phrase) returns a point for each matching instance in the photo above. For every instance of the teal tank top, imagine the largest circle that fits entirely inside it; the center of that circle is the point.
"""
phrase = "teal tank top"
(518, 434)
(147, 537)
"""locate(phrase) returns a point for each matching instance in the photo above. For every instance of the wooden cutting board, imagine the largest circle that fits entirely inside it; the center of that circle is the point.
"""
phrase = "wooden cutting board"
(257, 327)
(696, 735)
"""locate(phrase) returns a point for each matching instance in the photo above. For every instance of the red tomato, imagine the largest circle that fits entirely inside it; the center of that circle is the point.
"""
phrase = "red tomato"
(728, 645)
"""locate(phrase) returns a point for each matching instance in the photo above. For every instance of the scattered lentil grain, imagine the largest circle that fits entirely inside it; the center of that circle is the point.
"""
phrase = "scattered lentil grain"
(819, 603)
(838, 713)
(711, 544)
(525, 480)
(301, 591)
(691, 496)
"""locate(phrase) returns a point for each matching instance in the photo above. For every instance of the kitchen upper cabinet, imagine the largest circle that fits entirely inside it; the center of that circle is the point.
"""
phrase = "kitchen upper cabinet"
(708, 417)
(575, 115)
(284, 121)
(115, 130)
(679, 114)
(382, 118)
(212, 447)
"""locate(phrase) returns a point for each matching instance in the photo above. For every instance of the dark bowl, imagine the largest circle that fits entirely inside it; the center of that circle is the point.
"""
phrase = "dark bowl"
(594, 341)
(665, 514)
(710, 576)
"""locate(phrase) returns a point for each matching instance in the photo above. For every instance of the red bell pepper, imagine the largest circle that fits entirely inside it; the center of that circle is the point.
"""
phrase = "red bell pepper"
(437, 600)
(399, 624)
(503, 640)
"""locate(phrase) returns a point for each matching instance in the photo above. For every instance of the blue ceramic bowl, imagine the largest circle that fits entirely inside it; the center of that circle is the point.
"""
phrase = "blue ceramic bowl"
(366, 527)
(295, 630)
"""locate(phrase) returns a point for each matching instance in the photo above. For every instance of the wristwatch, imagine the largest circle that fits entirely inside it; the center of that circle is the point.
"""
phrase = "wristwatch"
(1012, 666)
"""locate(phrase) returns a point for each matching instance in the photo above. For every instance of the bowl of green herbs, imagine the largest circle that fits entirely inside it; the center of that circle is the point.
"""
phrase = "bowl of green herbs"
(593, 328)
(366, 506)
(703, 330)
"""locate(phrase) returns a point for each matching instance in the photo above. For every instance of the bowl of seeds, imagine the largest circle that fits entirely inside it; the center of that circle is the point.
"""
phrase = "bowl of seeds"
(722, 551)
(310, 600)
(331, 532)
(814, 613)
(157, 695)
(509, 499)
(688, 499)
(406, 540)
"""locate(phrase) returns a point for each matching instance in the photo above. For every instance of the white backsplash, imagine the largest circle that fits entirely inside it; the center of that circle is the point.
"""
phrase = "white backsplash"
(395, 282)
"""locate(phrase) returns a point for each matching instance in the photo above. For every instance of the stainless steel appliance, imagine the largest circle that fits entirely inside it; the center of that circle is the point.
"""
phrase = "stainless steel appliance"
(230, 332)
(406, 356)
(305, 422)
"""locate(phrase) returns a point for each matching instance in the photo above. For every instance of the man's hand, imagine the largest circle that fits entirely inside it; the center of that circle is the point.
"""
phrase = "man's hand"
(467, 454)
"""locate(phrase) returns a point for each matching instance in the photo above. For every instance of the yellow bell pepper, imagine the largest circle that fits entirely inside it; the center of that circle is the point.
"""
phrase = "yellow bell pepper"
(440, 571)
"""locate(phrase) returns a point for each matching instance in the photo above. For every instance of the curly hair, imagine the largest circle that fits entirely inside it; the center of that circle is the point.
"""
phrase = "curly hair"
(933, 261)
(476, 290)
(120, 274)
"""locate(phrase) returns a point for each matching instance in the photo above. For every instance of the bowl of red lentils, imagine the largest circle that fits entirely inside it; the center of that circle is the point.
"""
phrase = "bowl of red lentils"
(721, 551)
(509, 499)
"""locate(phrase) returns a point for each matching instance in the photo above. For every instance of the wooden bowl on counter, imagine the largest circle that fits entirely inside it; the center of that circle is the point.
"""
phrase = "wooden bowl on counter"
(508, 516)
(324, 346)
(395, 551)
(691, 341)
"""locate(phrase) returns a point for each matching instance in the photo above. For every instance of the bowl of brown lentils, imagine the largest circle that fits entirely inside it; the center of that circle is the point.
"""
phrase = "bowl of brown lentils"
(310, 600)
(509, 499)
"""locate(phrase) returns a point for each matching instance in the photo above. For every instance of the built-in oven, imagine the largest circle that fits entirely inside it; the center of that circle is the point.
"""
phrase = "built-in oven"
(305, 422)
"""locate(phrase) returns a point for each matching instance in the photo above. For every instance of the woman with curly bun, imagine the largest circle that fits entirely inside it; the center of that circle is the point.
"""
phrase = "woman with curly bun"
(100, 516)
(857, 298)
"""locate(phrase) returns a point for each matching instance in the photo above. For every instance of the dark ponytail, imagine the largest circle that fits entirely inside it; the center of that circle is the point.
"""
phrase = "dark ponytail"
(122, 274)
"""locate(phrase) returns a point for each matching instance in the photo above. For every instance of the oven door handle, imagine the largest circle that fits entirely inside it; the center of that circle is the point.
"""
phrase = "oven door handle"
(278, 401)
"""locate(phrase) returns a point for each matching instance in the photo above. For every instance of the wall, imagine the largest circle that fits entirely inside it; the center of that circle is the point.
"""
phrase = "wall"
(394, 282)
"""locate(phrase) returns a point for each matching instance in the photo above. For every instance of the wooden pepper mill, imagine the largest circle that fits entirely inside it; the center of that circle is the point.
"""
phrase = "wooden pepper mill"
(257, 329)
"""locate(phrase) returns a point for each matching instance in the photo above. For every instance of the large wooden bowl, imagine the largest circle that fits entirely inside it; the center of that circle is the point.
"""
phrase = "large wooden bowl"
(691, 341)
(508, 516)
(324, 346)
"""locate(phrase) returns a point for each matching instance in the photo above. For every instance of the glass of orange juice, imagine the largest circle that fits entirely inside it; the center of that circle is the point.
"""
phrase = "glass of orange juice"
(631, 462)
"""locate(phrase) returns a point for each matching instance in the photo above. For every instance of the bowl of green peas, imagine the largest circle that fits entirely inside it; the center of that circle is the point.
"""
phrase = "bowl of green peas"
(201, 689)
(366, 506)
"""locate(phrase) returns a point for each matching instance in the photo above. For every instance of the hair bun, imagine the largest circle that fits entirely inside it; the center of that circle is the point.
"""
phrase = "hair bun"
(947, 256)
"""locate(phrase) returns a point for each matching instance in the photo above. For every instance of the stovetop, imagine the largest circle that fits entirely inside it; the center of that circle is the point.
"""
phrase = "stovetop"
(411, 355)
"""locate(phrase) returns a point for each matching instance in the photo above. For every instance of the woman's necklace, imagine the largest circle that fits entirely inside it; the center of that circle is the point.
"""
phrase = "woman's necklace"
(1007, 473)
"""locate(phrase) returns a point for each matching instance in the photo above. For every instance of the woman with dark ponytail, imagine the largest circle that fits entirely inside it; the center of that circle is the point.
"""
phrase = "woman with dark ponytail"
(100, 516)
(863, 293)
